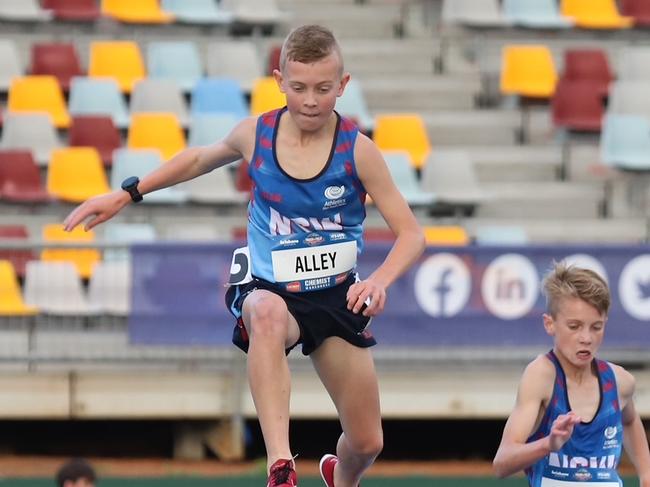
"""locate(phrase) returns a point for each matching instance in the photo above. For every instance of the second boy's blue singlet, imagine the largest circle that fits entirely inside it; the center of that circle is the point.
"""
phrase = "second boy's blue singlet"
(305, 234)
(592, 454)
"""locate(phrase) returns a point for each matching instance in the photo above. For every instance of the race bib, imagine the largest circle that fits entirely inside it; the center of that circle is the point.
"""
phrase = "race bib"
(240, 267)
(314, 264)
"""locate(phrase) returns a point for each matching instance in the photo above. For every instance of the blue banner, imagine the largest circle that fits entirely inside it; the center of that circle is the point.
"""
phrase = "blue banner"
(460, 296)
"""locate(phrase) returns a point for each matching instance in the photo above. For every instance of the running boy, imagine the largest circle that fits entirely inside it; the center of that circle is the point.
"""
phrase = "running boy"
(574, 413)
(311, 169)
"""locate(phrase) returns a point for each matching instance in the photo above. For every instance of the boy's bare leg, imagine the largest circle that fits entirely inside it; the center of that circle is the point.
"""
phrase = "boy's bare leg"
(348, 373)
(271, 329)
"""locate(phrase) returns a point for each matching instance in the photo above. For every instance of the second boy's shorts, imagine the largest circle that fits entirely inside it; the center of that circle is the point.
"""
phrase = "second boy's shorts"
(320, 314)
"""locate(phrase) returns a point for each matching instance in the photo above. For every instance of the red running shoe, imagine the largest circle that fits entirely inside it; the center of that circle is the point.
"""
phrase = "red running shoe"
(282, 474)
(326, 466)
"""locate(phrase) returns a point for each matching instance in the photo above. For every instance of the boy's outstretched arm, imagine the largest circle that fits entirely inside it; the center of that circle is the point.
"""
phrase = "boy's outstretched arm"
(634, 436)
(514, 454)
(409, 243)
(184, 166)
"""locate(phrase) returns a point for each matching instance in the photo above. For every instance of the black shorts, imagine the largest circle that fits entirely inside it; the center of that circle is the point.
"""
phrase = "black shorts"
(320, 315)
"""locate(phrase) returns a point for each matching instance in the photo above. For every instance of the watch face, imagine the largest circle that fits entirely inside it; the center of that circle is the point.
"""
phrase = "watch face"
(130, 183)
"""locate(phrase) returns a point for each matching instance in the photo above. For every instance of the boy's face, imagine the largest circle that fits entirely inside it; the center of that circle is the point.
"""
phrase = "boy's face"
(312, 89)
(80, 482)
(577, 329)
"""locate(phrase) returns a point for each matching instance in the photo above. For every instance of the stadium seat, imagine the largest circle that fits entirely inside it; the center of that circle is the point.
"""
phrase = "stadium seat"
(83, 259)
(177, 61)
(235, 59)
(11, 298)
(255, 12)
(595, 14)
(20, 178)
(219, 96)
(140, 12)
(273, 61)
(625, 142)
(352, 104)
(473, 13)
(197, 11)
(55, 288)
(577, 105)
(129, 162)
(639, 10)
(17, 257)
(405, 178)
(39, 94)
(76, 174)
(10, 65)
(243, 180)
(126, 234)
(539, 14)
(159, 96)
(446, 236)
(209, 128)
(57, 59)
(528, 71)
(634, 64)
(32, 131)
(121, 60)
(501, 235)
(95, 131)
(403, 132)
(109, 288)
(73, 10)
(160, 131)
(588, 65)
(450, 175)
(23, 11)
(266, 96)
(216, 186)
(629, 97)
(89, 96)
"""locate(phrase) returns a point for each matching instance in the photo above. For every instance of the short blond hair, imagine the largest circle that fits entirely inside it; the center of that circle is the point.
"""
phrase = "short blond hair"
(308, 44)
(568, 281)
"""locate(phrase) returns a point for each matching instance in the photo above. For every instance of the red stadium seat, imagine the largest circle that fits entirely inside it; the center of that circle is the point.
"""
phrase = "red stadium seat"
(77, 10)
(58, 59)
(578, 105)
(98, 132)
(637, 9)
(20, 179)
(588, 65)
(274, 60)
(17, 257)
(242, 179)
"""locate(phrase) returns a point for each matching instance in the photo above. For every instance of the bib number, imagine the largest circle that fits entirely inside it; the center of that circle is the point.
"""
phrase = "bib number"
(240, 267)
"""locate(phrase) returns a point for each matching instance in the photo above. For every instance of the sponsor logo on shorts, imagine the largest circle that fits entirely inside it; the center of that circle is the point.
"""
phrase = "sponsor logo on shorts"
(294, 287)
(314, 239)
(334, 192)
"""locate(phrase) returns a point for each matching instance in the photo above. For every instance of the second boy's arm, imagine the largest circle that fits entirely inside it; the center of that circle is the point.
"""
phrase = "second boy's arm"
(634, 436)
(409, 242)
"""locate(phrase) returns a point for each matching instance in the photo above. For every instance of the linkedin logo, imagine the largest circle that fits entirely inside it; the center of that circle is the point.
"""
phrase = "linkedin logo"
(442, 285)
(510, 286)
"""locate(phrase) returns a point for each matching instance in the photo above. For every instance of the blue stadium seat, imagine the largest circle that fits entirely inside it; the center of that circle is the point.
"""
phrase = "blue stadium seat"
(92, 96)
(177, 61)
(403, 173)
(541, 14)
(353, 104)
(625, 142)
(219, 95)
(197, 11)
(208, 128)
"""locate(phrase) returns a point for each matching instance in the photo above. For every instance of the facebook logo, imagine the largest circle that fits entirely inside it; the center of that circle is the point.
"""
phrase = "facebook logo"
(634, 287)
(510, 286)
(442, 285)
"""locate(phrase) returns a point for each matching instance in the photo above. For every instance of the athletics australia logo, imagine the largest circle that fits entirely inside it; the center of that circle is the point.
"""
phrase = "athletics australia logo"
(334, 195)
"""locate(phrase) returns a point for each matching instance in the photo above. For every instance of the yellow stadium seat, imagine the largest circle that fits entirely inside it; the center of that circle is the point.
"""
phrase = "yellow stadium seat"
(596, 14)
(39, 94)
(136, 12)
(404, 132)
(160, 131)
(528, 70)
(266, 96)
(11, 298)
(76, 174)
(446, 235)
(83, 259)
(121, 60)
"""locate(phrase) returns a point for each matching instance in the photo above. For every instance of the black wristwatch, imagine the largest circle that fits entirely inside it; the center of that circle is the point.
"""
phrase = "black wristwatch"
(130, 185)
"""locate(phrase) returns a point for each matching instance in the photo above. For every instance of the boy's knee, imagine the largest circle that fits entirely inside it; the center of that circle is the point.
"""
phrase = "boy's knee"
(269, 316)
(369, 446)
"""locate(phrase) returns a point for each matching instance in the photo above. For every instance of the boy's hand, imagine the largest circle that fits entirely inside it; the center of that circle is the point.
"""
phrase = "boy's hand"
(562, 429)
(100, 208)
(368, 292)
